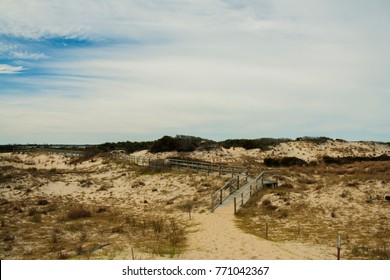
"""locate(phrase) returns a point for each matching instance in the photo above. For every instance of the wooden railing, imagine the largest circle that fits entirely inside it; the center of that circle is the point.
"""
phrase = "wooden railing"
(196, 166)
(255, 186)
(234, 184)
(141, 160)
(205, 167)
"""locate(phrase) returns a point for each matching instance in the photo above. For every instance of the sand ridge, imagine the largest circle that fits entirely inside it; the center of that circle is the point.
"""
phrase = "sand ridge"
(120, 196)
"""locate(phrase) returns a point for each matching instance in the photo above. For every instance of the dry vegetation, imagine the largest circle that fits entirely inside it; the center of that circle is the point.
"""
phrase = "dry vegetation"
(104, 207)
(95, 209)
(315, 204)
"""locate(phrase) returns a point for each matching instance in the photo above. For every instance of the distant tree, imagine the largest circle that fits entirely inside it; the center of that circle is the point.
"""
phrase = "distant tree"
(260, 143)
(180, 143)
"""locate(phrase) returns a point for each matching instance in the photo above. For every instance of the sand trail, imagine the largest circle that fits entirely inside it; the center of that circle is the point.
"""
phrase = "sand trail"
(216, 236)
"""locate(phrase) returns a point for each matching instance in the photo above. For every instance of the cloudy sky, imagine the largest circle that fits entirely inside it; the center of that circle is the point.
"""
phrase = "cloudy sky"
(113, 70)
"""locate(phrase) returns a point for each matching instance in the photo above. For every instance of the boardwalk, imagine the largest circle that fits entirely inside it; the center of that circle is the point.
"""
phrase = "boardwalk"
(239, 189)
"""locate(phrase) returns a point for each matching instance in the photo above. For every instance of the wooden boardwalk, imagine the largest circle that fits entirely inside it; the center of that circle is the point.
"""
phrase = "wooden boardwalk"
(181, 164)
(238, 194)
(237, 191)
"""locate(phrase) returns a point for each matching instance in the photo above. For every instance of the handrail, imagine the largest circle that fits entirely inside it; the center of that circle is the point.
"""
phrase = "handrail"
(205, 163)
(196, 165)
(254, 183)
(209, 167)
(234, 184)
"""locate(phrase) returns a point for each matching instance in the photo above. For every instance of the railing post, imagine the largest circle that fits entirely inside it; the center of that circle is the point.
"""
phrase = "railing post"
(235, 205)
(238, 182)
(220, 197)
(338, 246)
(242, 199)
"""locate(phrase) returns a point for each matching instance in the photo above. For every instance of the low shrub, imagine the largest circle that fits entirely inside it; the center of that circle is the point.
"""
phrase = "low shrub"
(42, 202)
(267, 204)
(284, 162)
(349, 160)
(36, 218)
(78, 213)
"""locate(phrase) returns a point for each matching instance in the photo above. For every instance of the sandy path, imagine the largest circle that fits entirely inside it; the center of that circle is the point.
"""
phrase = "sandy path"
(217, 237)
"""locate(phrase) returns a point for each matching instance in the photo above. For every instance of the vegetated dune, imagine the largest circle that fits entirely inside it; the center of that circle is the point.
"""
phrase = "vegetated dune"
(58, 207)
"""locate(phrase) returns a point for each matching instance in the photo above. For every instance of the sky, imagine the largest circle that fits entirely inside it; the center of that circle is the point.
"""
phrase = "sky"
(95, 71)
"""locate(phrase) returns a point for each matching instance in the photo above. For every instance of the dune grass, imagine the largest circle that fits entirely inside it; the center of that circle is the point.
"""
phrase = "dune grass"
(323, 202)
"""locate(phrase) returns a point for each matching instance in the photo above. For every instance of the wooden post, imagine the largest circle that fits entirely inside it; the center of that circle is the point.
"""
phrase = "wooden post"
(220, 197)
(238, 182)
(235, 205)
(250, 190)
(338, 246)
(266, 227)
(242, 199)
(132, 253)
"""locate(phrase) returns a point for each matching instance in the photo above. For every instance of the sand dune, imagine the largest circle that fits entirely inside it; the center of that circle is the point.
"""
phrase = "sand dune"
(134, 212)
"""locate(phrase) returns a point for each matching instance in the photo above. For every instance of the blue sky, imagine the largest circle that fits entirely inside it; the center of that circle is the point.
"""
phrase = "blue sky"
(115, 70)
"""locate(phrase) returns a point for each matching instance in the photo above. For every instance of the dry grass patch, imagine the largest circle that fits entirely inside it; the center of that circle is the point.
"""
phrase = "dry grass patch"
(322, 202)
(80, 231)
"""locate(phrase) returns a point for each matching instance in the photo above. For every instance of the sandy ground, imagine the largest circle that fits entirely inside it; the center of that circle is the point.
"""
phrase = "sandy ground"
(112, 185)
(217, 237)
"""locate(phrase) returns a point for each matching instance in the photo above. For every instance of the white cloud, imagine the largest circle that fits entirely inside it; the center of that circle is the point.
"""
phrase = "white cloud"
(218, 67)
(27, 55)
(8, 69)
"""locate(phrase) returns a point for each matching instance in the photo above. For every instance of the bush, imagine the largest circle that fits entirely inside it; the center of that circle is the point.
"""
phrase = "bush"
(129, 147)
(36, 218)
(284, 161)
(286, 186)
(349, 160)
(282, 214)
(180, 143)
(315, 140)
(261, 143)
(118, 229)
(42, 202)
(267, 204)
(78, 213)
(306, 181)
